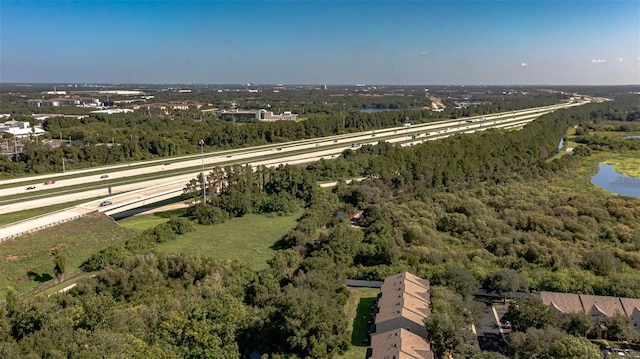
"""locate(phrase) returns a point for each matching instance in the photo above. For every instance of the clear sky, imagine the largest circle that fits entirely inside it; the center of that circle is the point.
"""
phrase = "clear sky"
(321, 42)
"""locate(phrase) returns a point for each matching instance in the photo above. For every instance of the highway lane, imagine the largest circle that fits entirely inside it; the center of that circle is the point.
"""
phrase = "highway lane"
(148, 167)
(327, 147)
(438, 130)
(119, 172)
(124, 200)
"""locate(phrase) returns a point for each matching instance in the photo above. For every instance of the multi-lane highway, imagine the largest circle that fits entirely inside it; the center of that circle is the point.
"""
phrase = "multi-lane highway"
(131, 185)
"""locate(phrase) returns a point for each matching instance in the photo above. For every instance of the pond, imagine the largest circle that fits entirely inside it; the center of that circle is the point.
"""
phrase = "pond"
(615, 182)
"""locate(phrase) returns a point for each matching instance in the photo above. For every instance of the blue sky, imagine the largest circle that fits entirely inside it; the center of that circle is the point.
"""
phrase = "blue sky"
(321, 42)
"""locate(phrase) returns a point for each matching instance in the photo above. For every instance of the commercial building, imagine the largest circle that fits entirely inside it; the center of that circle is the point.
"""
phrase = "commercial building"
(20, 129)
(64, 101)
(258, 115)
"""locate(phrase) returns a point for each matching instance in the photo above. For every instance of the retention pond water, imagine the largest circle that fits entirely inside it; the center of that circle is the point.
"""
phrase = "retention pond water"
(615, 182)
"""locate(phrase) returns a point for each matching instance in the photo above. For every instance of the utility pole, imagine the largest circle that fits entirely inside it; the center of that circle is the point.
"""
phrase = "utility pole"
(204, 182)
(344, 124)
(63, 170)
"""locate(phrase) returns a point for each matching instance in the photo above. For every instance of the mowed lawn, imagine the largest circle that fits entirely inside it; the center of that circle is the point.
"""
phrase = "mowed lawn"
(26, 262)
(358, 312)
(249, 239)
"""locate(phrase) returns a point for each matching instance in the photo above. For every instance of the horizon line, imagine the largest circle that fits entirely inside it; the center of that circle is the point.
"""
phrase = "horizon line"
(291, 84)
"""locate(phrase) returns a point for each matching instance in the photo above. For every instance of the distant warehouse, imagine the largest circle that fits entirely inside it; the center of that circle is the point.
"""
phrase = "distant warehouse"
(257, 116)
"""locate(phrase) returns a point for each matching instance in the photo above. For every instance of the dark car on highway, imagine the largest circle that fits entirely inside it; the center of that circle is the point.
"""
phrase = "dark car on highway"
(31, 187)
(105, 203)
(104, 176)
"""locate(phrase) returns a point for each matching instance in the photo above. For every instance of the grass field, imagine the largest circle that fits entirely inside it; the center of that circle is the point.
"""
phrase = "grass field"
(26, 261)
(358, 312)
(629, 165)
(248, 239)
(146, 221)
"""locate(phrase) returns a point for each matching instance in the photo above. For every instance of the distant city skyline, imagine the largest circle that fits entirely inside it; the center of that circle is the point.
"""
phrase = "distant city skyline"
(321, 42)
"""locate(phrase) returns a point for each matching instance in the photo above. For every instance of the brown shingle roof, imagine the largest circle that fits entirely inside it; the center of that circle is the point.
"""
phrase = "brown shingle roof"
(607, 305)
(629, 303)
(562, 302)
(404, 295)
(400, 344)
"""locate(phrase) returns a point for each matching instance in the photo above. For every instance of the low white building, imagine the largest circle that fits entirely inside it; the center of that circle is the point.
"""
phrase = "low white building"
(20, 129)
(111, 111)
(269, 116)
(260, 115)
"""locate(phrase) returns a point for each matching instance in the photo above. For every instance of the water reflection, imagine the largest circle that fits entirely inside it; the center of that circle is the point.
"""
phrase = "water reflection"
(615, 182)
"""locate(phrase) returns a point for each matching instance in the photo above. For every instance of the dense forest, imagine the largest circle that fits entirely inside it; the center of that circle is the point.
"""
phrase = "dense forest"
(488, 210)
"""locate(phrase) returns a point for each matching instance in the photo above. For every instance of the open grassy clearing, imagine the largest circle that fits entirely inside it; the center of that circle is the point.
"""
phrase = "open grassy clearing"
(249, 239)
(65, 283)
(143, 222)
(560, 153)
(358, 312)
(26, 261)
(616, 134)
(629, 165)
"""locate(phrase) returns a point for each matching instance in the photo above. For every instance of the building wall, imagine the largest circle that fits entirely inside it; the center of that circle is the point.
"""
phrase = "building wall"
(401, 322)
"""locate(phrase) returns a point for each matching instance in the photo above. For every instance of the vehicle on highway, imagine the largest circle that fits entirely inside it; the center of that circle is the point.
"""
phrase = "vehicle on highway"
(50, 182)
(168, 163)
(105, 203)
(228, 156)
(278, 149)
(104, 176)
(31, 187)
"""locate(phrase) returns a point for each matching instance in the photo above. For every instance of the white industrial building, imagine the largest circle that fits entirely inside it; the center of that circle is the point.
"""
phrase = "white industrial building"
(260, 115)
(20, 129)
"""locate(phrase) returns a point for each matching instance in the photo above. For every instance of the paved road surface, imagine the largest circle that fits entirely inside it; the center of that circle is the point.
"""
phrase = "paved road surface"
(490, 336)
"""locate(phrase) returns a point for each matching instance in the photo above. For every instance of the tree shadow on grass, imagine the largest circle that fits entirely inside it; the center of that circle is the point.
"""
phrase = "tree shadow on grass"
(39, 277)
(180, 212)
(362, 322)
(281, 244)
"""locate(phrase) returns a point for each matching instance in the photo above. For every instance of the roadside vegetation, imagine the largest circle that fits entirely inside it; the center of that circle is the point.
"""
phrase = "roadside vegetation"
(28, 262)
(484, 210)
